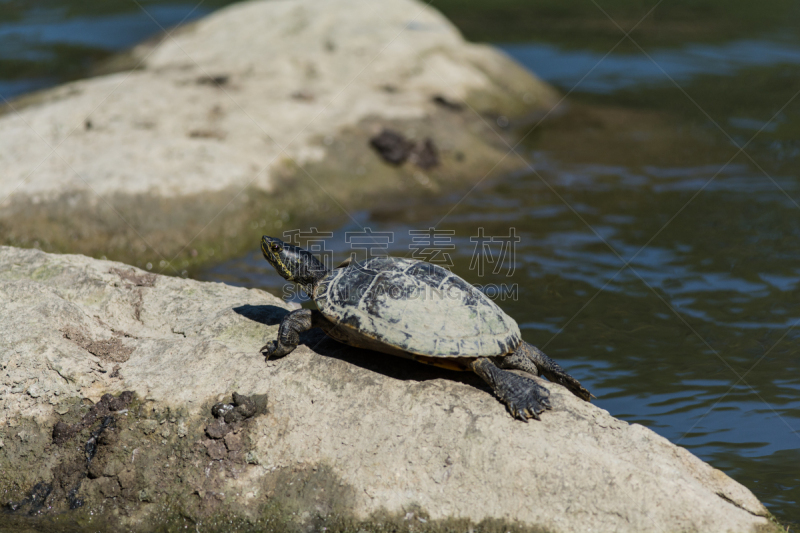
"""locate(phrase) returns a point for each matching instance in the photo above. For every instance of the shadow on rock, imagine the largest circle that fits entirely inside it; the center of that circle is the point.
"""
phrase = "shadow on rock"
(387, 365)
(269, 315)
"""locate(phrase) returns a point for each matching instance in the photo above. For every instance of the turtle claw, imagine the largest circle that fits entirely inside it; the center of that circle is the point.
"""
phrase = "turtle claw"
(520, 416)
(524, 397)
(531, 413)
(274, 349)
(267, 349)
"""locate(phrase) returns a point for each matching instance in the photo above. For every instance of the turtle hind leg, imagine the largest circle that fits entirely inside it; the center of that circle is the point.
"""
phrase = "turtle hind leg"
(523, 396)
(531, 359)
(292, 326)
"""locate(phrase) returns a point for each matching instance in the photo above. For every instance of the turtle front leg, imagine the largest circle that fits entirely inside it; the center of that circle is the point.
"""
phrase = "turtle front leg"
(531, 359)
(523, 396)
(292, 326)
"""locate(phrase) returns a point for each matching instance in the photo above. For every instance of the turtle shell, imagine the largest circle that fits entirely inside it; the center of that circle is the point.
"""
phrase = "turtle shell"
(416, 307)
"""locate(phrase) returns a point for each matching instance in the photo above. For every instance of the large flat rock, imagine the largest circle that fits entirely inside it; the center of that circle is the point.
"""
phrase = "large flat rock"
(348, 439)
(259, 113)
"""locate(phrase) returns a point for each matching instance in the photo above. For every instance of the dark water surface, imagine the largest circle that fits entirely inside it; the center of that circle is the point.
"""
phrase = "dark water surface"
(46, 42)
(655, 261)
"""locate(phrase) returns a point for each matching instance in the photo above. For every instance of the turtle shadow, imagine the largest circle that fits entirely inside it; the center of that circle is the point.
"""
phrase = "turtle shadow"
(269, 315)
(388, 365)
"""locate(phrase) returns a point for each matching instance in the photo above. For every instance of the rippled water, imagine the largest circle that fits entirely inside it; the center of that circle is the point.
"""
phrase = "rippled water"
(655, 261)
(45, 42)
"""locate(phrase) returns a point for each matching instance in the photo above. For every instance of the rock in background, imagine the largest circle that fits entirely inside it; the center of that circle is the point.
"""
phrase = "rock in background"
(109, 376)
(251, 119)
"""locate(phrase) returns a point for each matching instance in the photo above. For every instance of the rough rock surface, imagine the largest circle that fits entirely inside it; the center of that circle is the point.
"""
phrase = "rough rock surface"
(256, 95)
(344, 434)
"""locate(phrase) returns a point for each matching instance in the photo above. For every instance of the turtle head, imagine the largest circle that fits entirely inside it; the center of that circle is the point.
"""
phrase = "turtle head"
(292, 262)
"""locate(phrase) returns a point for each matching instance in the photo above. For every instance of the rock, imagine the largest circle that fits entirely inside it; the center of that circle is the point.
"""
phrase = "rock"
(218, 429)
(149, 426)
(233, 416)
(120, 402)
(293, 305)
(392, 146)
(216, 449)
(127, 478)
(251, 457)
(182, 430)
(395, 149)
(348, 434)
(221, 409)
(217, 116)
(109, 487)
(113, 467)
(62, 432)
(243, 409)
(244, 405)
(425, 154)
(96, 467)
(109, 437)
(233, 442)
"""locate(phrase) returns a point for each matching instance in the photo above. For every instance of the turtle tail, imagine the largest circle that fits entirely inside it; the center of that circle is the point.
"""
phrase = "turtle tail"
(552, 370)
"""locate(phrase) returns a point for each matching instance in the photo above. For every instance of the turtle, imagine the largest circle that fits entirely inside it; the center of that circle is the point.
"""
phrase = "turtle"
(417, 310)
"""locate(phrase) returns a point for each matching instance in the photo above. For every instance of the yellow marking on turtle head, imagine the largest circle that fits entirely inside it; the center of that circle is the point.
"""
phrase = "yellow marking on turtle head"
(285, 271)
(272, 252)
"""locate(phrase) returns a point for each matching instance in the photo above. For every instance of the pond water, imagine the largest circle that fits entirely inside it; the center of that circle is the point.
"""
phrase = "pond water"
(643, 249)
